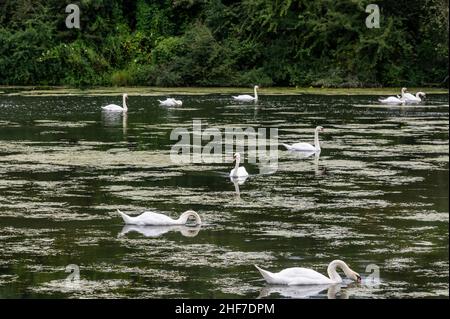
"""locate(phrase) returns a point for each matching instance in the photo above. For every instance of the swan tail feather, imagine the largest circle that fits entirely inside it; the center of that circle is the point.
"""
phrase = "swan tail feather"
(289, 147)
(125, 217)
(266, 275)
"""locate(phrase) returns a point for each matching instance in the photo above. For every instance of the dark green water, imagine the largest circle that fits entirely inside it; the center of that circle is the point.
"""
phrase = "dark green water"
(378, 195)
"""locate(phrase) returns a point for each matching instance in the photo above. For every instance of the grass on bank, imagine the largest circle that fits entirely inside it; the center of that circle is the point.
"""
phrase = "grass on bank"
(154, 91)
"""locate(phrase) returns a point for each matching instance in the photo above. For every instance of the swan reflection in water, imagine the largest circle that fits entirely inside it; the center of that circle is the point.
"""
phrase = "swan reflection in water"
(115, 119)
(304, 291)
(238, 181)
(156, 231)
(268, 167)
(318, 171)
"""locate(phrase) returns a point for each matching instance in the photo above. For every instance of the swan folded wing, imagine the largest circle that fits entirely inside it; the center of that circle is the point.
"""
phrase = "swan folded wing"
(390, 100)
(244, 97)
(409, 97)
(112, 107)
(303, 276)
(151, 218)
(168, 102)
(303, 147)
(299, 281)
(241, 172)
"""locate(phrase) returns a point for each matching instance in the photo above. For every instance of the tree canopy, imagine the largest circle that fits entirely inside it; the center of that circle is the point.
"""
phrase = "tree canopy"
(224, 43)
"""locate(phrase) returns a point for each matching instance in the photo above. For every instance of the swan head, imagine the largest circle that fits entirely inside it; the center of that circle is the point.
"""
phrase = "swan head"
(351, 274)
(125, 96)
(421, 94)
(236, 157)
(256, 87)
(320, 129)
(354, 276)
(404, 90)
(191, 213)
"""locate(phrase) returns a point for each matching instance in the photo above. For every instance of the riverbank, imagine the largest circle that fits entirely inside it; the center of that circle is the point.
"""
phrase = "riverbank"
(154, 91)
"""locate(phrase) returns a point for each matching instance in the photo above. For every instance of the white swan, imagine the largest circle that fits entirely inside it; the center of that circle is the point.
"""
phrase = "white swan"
(409, 98)
(238, 172)
(395, 100)
(304, 276)
(156, 219)
(306, 147)
(117, 108)
(170, 102)
(246, 97)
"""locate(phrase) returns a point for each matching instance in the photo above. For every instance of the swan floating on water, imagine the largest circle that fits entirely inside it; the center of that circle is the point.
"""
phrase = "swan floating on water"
(170, 102)
(117, 108)
(304, 276)
(395, 99)
(238, 172)
(409, 98)
(246, 97)
(156, 219)
(306, 147)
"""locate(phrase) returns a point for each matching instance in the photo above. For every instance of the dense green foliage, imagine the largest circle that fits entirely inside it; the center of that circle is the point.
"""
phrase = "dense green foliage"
(224, 43)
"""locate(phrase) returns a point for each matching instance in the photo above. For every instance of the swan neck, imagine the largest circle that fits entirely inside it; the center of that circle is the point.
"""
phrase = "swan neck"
(332, 272)
(256, 93)
(124, 102)
(316, 158)
(316, 140)
(236, 166)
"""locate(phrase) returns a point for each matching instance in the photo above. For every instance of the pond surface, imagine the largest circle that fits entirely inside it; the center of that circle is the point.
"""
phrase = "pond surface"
(377, 198)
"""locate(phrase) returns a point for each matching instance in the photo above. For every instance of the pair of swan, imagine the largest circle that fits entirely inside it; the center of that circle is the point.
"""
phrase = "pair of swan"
(241, 172)
(124, 107)
(170, 102)
(246, 97)
(403, 98)
(304, 276)
(156, 219)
